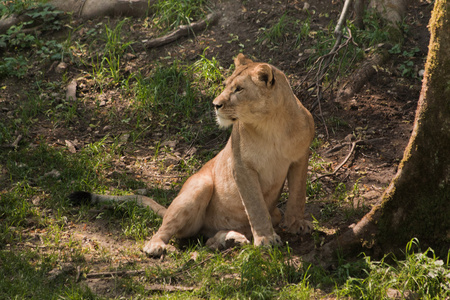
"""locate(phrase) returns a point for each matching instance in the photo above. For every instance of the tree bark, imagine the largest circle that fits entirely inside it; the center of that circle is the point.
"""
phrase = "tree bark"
(417, 202)
(391, 10)
(88, 9)
(98, 8)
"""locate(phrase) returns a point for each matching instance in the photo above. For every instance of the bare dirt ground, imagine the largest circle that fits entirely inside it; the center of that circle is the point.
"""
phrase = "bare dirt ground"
(382, 112)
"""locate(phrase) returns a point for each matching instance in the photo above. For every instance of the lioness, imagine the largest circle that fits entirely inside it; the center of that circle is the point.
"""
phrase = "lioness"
(234, 195)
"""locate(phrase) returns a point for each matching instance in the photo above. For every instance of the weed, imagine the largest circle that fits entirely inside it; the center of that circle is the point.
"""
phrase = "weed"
(208, 74)
(15, 38)
(422, 274)
(173, 13)
(277, 32)
(8, 7)
(106, 66)
(304, 31)
(407, 66)
(47, 15)
(14, 66)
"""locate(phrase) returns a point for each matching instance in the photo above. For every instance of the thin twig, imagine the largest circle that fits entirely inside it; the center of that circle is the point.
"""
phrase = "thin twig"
(153, 287)
(169, 288)
(115, 273)
(15, 144)
(341, 164)
(323, 63)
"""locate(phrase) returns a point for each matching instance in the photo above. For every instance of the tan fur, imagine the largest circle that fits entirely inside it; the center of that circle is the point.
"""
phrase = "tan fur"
(234, 196)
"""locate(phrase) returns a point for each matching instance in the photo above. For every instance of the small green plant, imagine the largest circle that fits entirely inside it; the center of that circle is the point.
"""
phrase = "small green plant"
(46, 14)
(106, 66)
(15, 38)
(407, 67)
(9, 7)
(207, 75)
(277, 32)
(421, 274)
(14, 66)
(303, 31)
(173, 13)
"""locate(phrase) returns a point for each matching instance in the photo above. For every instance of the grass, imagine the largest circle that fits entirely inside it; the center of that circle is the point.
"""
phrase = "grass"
(121, 147)
(171, 14)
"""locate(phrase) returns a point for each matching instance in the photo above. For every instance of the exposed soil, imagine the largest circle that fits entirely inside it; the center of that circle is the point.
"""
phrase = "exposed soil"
(382, 114)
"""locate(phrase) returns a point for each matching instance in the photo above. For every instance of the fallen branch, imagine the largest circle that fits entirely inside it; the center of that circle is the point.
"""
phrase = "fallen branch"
(153, 287)
(362, 142)
(340, 165)
(183, 31)
(115, 273)
(15, 144)
(338, 147)
(169, 288)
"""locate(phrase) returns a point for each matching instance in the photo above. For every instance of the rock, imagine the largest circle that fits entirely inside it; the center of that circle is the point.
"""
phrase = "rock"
(61, 68)
(370, 195)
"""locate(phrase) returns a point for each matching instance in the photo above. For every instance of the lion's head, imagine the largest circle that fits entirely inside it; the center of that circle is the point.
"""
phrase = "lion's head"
(250, 93)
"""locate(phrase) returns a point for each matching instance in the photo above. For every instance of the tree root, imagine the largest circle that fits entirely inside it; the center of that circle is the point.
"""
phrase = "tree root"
(361, 235)
(361, 75)
(183, 31)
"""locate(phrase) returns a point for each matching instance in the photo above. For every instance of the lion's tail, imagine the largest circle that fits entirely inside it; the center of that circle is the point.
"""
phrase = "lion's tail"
(86, 197)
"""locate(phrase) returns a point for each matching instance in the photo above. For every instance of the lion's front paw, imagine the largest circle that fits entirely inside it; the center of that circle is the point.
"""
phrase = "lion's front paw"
(156, 248)
(267, 240)
(226, 239)
(296, 225)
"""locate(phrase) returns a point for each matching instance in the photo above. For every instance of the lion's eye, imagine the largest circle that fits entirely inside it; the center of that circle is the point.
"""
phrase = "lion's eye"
(238, 89)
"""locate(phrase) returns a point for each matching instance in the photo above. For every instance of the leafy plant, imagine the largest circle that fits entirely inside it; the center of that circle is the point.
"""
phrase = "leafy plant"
(47, 15)
(14, 66)
(421, 274)
(407, 67)
(8, 7)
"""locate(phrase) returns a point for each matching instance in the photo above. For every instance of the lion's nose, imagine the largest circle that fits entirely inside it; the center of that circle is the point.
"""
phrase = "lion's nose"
(217, 106)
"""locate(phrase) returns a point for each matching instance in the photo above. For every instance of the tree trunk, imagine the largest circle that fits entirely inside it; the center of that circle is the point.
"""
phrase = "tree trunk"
(417, 201)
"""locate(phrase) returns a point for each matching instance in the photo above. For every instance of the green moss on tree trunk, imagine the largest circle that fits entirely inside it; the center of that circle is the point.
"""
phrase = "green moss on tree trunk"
(417, 202)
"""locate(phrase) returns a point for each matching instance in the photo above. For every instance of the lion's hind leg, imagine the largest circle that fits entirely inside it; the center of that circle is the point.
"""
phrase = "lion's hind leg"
(185, 216)
(226, 239)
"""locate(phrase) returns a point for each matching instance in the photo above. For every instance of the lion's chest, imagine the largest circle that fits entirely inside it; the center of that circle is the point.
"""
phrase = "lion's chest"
(271, 166)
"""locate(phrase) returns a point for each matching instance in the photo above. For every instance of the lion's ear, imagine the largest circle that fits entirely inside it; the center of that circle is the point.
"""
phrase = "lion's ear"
(241, 60)
(264, 74)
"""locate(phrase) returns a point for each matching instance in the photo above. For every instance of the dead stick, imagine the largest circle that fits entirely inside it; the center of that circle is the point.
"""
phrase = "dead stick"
(115, 273)
(182, 31)
(15, 144)
(340, 165)
(169, 288)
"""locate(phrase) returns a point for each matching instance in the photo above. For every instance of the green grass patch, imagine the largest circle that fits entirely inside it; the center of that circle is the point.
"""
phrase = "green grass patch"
(173, 13)
(25, 276)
